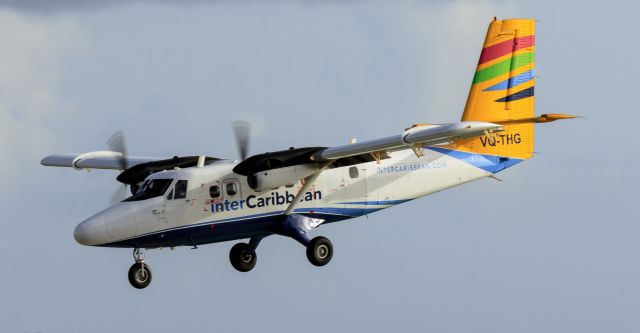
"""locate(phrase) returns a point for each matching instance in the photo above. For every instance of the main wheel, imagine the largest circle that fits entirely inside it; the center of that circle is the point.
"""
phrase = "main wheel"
(319, 251)
(139, 275)
(242, 258)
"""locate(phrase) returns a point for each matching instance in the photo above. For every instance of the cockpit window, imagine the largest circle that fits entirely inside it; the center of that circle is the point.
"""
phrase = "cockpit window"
(181, 189)
(151, 188)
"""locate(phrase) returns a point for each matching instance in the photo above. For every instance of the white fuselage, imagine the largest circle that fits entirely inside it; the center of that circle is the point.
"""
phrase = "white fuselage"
(337, 194)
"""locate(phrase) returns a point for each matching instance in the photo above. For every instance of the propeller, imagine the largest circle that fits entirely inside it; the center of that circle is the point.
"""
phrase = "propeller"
(241, 130)
(117, 144)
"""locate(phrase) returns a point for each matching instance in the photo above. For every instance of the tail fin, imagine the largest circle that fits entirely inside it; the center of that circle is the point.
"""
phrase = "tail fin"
(502, 90)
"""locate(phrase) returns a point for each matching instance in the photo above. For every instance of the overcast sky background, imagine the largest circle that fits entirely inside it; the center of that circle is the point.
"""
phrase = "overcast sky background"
(553, 248)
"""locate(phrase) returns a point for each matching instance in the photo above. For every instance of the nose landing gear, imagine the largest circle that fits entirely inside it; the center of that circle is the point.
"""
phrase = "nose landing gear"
(139, 273)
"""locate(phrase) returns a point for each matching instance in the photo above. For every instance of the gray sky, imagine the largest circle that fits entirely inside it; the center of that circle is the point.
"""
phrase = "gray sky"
(552, 248)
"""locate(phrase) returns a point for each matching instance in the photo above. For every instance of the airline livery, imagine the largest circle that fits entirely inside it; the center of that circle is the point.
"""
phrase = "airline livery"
(195, 200)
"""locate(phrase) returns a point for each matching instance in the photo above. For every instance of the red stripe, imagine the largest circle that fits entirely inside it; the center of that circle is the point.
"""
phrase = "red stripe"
(506, 47)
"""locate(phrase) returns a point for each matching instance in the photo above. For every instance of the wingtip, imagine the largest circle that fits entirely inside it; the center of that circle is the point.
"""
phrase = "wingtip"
(43, 161)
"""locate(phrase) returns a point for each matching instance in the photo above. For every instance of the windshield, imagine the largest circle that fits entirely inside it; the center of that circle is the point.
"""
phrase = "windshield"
(151, 188)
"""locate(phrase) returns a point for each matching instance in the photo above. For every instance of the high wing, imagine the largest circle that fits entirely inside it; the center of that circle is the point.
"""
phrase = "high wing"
(416, 136)
(137, 168)
(96, 160)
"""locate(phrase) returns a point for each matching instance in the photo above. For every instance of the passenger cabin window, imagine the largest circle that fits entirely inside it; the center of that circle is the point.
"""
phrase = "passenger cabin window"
(231, 189)
(151, 188)
(353, 172)
(214, 191)
(170, 196)
(181, 190)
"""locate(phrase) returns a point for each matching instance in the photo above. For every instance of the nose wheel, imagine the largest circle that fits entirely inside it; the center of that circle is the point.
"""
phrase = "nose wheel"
(139, 273)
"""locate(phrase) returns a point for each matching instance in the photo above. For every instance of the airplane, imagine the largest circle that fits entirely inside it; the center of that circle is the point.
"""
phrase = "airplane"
(196, 200)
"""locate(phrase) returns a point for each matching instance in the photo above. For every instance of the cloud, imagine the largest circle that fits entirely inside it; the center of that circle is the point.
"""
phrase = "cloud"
(452, 35)
(32, 55)
(46, 6)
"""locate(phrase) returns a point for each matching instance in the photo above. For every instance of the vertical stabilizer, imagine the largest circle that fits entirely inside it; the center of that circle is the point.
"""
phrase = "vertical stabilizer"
(502, 90)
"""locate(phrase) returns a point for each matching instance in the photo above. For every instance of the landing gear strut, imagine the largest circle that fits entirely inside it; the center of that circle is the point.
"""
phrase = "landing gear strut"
(319, 249)
(139, 273)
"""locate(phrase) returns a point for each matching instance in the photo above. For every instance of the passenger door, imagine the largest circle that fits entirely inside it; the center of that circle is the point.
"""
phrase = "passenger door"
(177, 203)
(354, 185)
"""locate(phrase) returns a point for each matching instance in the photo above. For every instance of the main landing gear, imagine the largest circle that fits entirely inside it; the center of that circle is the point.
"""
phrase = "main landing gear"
(243, 256)
(319, 250)
(139, 273)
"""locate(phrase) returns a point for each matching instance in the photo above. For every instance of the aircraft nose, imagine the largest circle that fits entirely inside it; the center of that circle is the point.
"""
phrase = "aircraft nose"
(90, 231)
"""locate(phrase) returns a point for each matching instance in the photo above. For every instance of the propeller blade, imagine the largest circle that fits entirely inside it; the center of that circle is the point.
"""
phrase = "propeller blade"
(242, 130)
(117, 143)
(120, 194)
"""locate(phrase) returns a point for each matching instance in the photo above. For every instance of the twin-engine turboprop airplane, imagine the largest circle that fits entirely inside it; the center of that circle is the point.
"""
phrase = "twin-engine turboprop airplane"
(198, 200)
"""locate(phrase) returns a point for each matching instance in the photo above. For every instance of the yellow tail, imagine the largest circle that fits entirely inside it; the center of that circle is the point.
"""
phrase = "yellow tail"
(502, 91)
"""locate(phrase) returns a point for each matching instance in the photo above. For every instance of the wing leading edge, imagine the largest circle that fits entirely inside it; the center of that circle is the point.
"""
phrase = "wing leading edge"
(95, 160)
(417, 136)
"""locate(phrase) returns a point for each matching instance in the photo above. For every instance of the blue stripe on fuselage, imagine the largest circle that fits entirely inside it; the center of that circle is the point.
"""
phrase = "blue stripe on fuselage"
(242, 227)
(490, 163)
(376, 203)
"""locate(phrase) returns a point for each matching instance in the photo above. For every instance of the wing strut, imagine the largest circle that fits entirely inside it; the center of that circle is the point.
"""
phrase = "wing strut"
(308, 181)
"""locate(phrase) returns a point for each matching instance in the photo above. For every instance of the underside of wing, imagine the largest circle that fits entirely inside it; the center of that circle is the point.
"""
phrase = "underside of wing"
(139, 172)
(292, 157)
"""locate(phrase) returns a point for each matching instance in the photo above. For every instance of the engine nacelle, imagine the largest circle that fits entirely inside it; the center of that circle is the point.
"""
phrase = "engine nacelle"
(274, 178)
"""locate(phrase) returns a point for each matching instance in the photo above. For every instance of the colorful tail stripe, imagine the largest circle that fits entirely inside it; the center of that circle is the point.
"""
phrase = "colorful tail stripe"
(519, 95)
(502, 91)
(512, 81)
(503, 67)
(506, 47)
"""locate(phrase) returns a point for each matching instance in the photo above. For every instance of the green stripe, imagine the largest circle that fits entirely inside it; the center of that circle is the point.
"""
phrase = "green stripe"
(502, 67)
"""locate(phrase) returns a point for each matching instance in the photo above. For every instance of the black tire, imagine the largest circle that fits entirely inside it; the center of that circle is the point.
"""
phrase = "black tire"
(140, 275)
(319, 251)
(242, 258)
